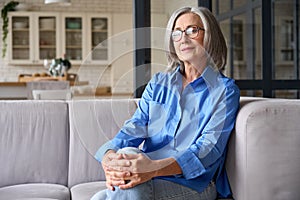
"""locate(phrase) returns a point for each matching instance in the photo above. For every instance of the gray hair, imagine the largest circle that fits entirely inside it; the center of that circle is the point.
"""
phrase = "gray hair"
(213, 42)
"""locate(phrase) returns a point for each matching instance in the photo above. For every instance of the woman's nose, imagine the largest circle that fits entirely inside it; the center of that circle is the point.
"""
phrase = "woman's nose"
(184, 37)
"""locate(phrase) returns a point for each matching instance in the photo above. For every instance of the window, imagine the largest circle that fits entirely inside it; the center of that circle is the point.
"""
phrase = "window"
(286, 39)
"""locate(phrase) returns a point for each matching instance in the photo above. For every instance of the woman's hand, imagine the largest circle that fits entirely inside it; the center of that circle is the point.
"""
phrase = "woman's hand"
(138, 169)
(113, 177)
(128, 170)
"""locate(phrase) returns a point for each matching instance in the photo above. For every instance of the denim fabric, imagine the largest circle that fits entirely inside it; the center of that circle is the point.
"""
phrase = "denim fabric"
(158, 189)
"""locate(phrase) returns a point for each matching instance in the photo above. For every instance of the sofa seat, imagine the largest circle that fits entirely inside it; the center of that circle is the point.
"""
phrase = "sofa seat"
(35, 191)
(87, 190)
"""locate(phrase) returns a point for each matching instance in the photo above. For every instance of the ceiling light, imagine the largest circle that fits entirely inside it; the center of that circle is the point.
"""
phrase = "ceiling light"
(60, 2)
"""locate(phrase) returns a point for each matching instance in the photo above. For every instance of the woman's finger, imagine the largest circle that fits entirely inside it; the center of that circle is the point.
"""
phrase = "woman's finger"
(109, 186)
(112, 156)
(129, 184)
(118, 163)
(117, 174)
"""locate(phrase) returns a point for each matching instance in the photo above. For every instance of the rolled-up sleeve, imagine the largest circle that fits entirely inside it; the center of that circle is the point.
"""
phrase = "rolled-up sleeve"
(103, 149)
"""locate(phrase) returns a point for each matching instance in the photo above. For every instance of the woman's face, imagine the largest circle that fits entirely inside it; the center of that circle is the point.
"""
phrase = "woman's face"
(188, 49)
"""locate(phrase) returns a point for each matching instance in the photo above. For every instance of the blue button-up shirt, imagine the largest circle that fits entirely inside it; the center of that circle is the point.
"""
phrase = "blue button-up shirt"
(192, 125)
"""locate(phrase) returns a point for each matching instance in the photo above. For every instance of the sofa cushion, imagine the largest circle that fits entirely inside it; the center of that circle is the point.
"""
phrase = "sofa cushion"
(33, 142)
(35, 192)
(92, 123)
(86, 190)
(263, 156)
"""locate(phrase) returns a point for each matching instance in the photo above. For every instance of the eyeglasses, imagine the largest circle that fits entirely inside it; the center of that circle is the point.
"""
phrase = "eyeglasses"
(191, 32)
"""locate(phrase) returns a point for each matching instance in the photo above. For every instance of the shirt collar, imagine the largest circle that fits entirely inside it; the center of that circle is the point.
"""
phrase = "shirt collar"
(209, 76)
(176, 75)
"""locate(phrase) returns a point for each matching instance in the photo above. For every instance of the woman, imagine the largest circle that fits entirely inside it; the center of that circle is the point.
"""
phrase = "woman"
(184, 120)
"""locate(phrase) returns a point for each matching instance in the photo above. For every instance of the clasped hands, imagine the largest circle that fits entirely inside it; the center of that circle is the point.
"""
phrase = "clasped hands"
(127, 170)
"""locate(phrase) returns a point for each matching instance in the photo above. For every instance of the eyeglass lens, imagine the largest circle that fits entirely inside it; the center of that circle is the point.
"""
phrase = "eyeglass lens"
(191, 32)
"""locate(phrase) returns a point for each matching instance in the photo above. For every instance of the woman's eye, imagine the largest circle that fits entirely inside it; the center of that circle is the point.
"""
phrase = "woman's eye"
(176, 33)
(190, 31)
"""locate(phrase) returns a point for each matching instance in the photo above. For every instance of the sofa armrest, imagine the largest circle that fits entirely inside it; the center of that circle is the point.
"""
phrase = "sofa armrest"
(263, 157)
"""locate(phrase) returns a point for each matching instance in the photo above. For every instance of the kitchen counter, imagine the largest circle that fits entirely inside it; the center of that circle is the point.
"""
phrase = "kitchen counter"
(18, 90)
(12, 84)
(72, 83)
(13, 90)
(80, 90)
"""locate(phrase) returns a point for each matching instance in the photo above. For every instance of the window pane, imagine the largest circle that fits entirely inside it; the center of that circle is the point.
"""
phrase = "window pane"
(238, 3)
(251, 93)
(287, 94)
(225, 27)
(214, 6)
(257, 41)
(243, 37)
(238, 37)
(224, 6)
(284, 40)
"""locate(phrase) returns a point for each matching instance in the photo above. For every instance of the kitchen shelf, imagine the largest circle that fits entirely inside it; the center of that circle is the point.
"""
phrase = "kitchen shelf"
(47, 30)
(73, 47)
(99, 31)
(21, 46)
(20, 29)
(47, 46)
(73, 30)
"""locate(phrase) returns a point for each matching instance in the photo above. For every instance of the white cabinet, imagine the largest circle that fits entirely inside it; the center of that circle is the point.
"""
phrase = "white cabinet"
(33, 36)
(98, 43)
(73, 42)
(80, 37)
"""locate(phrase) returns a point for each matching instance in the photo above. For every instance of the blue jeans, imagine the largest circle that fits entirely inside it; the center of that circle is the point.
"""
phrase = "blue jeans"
(156, 189)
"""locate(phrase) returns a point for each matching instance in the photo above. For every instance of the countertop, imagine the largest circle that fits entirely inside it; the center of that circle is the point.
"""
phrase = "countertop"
(80, 89)
(72, 83)
(12, 84)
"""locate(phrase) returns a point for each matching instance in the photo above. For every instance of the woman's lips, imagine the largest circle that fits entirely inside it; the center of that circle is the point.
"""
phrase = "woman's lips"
(186, 49)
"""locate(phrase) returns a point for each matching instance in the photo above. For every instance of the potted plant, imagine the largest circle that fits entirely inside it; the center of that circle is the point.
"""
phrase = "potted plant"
(8, 7)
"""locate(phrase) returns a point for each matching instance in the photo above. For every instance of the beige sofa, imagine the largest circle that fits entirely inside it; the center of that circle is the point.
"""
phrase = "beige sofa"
(47, 148)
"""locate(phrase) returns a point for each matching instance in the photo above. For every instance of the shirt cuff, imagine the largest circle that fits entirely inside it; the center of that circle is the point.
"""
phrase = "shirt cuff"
(190, 164)
(103, 149)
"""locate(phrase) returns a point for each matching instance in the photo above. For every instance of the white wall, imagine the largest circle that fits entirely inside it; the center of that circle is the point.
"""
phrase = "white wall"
(122, 54)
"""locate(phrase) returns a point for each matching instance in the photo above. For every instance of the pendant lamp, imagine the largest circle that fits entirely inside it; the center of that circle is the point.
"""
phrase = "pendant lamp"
(59, 2)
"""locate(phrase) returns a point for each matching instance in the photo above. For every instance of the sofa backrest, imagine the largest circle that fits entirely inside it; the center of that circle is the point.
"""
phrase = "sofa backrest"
(33, 142)
(92, 123)
(263, 156)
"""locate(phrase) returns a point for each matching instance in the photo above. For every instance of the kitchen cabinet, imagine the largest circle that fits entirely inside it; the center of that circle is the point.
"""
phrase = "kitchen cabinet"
(33, 37)
(80, 37)
(98, 43)
(73, 37)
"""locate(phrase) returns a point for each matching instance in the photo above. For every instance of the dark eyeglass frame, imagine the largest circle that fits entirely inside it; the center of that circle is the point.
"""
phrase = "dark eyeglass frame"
(188, 32)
